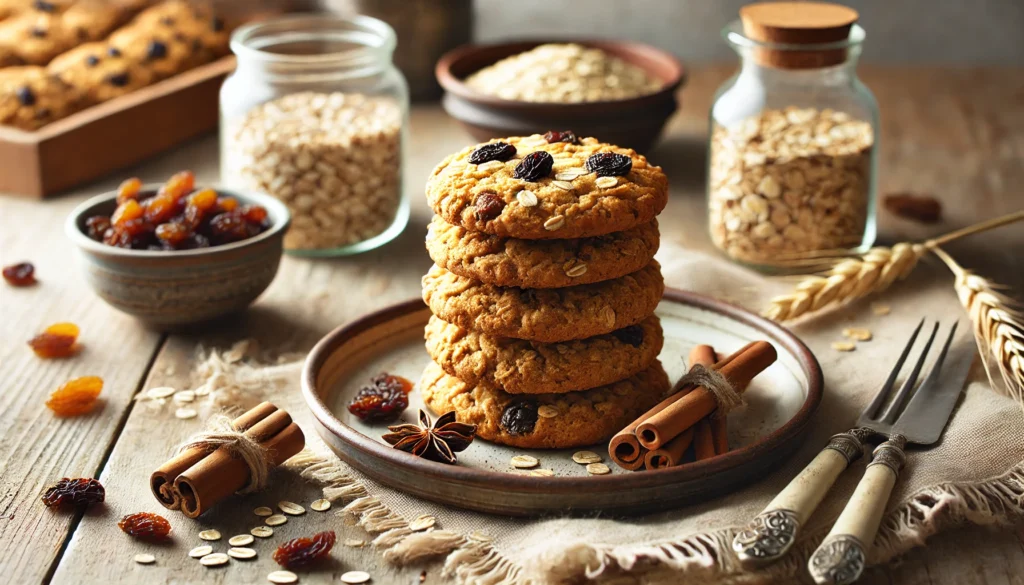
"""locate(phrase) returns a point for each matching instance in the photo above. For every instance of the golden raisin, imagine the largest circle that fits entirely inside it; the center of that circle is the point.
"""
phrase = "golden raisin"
(300, 552)
(145, 525)
(227, 203)
(129, 189)
(126, 212)
(56, 341)
(204, 199)
(179, 185)
(172, 234)
(75, 397)
(162, 207)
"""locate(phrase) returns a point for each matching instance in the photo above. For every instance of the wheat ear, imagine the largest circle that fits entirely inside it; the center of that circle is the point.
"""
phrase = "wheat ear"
(998, 323)
(852, 278)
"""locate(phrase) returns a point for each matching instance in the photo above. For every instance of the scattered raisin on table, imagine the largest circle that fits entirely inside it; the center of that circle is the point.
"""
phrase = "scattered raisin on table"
(488, 206)
(20, 274)
(56, 341)
(519, 417)
(302, 552)
(492, 151)
(75, 397)
(633, 335)
(922, 208)
(145, 525)
(561, 136)
(534, 166)
(80, 492)
(609, 164)
(382, 400)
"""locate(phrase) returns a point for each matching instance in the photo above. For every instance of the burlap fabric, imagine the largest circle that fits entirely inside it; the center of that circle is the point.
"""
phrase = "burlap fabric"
(964, 478)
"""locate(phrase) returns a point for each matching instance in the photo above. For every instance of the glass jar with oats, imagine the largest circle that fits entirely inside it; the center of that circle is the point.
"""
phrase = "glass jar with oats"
(315, 114)
(793, 138)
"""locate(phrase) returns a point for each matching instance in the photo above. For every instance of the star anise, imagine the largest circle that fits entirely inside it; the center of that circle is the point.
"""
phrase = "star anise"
(438, 442)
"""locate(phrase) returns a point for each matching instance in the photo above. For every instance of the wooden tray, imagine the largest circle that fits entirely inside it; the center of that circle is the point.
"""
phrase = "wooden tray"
(108, 136)
(764, 432)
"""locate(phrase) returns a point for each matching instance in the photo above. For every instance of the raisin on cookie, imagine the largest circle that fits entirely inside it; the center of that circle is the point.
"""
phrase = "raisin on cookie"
(31, 98)
(549, 315)
(540, 263)
(525, 187)
(100, 73)
(545, 421)
(518, 366)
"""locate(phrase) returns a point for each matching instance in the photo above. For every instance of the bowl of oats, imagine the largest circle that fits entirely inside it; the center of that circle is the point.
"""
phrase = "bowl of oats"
(619, 92)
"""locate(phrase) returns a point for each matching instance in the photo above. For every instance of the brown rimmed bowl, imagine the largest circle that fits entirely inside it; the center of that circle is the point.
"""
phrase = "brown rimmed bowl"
(780, 405)
(168, 289)
(635, 123)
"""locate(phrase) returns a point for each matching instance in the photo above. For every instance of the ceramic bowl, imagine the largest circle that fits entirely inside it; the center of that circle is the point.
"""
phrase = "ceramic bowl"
(635, 123)
(181, 287)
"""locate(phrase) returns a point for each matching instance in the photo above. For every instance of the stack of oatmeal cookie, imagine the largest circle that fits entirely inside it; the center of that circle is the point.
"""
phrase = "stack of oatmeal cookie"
(543, 331)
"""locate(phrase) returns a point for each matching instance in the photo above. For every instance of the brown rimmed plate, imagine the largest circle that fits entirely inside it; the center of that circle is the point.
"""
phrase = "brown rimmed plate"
(780, 404)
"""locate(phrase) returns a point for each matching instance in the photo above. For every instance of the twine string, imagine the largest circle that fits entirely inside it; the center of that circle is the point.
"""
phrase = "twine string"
(221, 433)
(725, 395)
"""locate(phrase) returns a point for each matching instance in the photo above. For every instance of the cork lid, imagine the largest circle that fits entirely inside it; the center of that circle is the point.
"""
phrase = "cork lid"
(798, 23)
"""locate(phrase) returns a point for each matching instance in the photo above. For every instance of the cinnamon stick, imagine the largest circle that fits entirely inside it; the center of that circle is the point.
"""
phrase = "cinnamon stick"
(703, 441)
(671, 453)
(683, 413)
(624, 448)
(162, 480)
(720, 433)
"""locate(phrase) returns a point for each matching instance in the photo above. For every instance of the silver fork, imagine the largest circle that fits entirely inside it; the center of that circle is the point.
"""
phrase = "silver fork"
(772, 532)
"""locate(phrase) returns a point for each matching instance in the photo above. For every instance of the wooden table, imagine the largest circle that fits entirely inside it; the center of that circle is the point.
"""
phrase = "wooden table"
(958, 135)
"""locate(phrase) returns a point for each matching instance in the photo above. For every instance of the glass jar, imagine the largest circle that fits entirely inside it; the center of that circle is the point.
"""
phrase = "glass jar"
(792, 150)
(315, 114)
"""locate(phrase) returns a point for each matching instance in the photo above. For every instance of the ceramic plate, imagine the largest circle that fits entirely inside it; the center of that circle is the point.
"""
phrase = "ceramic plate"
(762, 433)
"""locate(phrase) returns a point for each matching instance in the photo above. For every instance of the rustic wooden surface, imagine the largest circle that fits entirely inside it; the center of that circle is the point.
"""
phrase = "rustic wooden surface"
(958, 135)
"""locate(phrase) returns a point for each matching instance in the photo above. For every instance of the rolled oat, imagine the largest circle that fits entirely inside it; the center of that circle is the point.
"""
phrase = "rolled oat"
(334, 159)
(789, 181)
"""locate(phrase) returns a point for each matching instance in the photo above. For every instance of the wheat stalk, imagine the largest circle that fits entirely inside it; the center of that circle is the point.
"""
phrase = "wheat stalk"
(852, 278)
(998, 323)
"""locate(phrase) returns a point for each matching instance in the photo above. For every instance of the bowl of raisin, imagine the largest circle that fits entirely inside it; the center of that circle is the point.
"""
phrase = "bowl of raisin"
(178, 253)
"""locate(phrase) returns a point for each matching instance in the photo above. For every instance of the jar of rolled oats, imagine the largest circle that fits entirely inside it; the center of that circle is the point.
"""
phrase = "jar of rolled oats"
(315, 114)
(793, 138)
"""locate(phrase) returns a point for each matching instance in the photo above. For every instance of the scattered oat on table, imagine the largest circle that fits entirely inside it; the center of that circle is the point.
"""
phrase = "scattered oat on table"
(586, 457)
(241, 552)
(262, 532)
(184, 396)
(524, 461)
(200, 551)
(214, 560)
(291, 508)
(355, 543)
(598, 469)
(276, 520)
(160, 392)
(282, 577)
(880, 309)
(542, 473)
(422, 523)
(145, 559)
(844, 345)
(321, 505)
(209, 535)
(355, 577)
(185, 413)
(263, 511)
(857, 333)
(240, 540)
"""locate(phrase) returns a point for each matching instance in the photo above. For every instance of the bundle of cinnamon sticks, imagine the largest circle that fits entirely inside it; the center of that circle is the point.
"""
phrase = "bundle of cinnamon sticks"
(200, 476)
(691, 416)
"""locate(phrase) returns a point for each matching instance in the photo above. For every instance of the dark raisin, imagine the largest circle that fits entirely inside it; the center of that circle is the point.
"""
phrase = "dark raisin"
(167, 20)
(492, 151)
(44, 6)
(535, 166)
(118, 79)
(609, 164)
(519, 417)
(20, 274)
(633, 335)
(217, 24)
(96, 225)
(561, 136)
(156, 50)
(26, 97)
(114, 52)
(92, 60)
(301, 552)
(39, 32)
(382, 400)
(488, 206)
(80, 493)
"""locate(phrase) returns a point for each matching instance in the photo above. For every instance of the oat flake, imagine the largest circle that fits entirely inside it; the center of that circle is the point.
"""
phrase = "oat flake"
(263, 511)
(844, 345)
(526, 198)
(547, 411)
(598, 469)
(606, 182)
(240, 552)
(186, 413)
(586, 457)
(577, 270)
(160, 392)
(355, 577)
(857, 333)
(282, 577)
(422, 523)
(524, 461)
(291, 508)
(145, 559)
(262, 532)
(554, 223)
(209, 535)
(214, 560)
(240, 540)
(276, 520)
(563, 185)
(321, 505)
(200, 551)
(355, 543)
(542, 473)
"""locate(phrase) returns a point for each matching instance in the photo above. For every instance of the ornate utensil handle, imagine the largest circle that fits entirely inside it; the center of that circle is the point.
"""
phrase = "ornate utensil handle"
(840, 558)
(770, 534)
